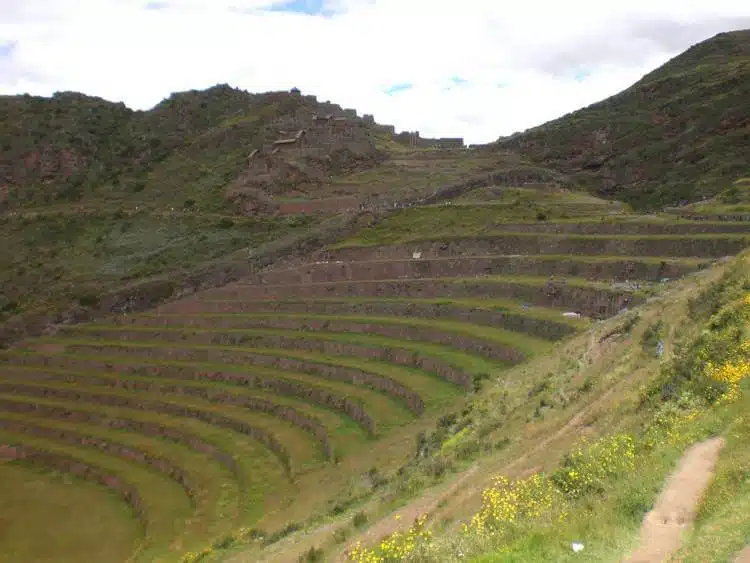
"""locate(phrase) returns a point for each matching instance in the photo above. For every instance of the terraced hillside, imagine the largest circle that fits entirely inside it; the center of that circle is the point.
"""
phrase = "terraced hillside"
(242, 410)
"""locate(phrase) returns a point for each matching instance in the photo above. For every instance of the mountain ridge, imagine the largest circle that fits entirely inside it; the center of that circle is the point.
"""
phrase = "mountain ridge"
(680, 133)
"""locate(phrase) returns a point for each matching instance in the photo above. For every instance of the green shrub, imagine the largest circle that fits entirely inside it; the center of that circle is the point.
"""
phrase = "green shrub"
(223, 542)
(585, 469)
(360, 519)
(312, 555)
(88, 300)
(652, 335)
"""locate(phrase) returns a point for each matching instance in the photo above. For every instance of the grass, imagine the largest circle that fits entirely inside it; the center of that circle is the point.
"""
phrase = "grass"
(489, 304)
(214, 391)
(40, 521)
(460, 360)
(610, 526)
(722, 528)
(521, 280)
(434, 390)
(213, 492)
(386, 411)
(301, 447)
(166, 507)
(382, 235)
(608, 522)
(586, 259)
(259, 473)
(494, 284)
(528, 345)
(83, 258)
(283, 407)
(735, 200)
(593, 382)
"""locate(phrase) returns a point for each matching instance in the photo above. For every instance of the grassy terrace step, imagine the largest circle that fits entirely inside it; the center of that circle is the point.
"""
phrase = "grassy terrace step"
(381, 394)
(158, 502)
(257, 470)
(445, 361)
(728, 215)
(130, 425)
(573, 294)
(540, 322)
(477, 219)
(678, 246)
(210, 391)
(493, 343)
(197, 349)
(435, 391)
(590, 267)
(366, 407)
(38, 525)
(625, 225)
(213, 493)
(127, 391)
(111, 445)
(256, 427)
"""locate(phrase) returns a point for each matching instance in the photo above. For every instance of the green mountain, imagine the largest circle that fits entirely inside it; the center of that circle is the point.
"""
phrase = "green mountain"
(681, 133)
(259, 327)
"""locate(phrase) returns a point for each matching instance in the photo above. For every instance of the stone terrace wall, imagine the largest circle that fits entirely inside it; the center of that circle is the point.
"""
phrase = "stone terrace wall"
(511, 244)
(339, 271)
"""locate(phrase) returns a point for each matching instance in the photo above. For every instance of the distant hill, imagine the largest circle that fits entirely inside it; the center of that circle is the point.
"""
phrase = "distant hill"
(682, 133)
(72, 147)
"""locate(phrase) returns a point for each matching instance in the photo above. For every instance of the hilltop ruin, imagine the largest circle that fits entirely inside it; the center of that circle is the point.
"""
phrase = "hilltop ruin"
(301, 150)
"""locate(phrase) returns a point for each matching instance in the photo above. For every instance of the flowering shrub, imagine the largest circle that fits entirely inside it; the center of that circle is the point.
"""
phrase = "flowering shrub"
(397, 547)
(507, 504)
(674, 422)
(731, 371)
(195, 556)
(587, 467)
(725, 348)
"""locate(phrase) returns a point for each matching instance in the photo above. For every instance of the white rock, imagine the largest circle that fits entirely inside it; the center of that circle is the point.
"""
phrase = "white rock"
(576, 546)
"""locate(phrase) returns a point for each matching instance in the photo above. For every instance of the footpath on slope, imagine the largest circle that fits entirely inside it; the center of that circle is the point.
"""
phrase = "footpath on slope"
(429, 504)
(677, 504)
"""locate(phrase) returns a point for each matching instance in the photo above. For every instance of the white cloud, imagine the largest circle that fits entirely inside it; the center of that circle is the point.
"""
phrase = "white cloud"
(519, 61)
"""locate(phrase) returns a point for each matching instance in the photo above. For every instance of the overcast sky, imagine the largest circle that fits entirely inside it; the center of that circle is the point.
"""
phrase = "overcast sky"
(472, 68)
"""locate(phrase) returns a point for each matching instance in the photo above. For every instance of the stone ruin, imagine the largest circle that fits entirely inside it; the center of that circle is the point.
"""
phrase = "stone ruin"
(412, 138)
(299, 147)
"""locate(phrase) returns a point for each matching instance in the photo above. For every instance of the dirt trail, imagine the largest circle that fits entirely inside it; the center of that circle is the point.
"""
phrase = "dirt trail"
(677, 504)
(743, 556)
(407, 515)
(430, 504)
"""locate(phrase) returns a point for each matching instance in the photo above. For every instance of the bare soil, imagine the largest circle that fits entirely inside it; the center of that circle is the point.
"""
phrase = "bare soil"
(675, 509)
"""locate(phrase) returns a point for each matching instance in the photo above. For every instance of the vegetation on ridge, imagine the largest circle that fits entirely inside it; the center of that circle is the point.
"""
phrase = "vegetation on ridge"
(394, 357)
(679, 134)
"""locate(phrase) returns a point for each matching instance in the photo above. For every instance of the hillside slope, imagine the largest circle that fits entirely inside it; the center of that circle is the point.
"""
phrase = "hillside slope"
(303, 327)
(104, 209)
(682, 132)
(75, 148)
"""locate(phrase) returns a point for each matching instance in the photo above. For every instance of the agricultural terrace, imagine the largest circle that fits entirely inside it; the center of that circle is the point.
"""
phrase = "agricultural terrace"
(239, 411)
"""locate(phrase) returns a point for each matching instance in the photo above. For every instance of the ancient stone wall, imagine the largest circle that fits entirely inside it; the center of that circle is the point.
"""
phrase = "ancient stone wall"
(413, 139)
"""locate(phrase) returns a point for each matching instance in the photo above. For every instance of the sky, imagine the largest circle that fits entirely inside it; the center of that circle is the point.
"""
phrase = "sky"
(473, 68)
